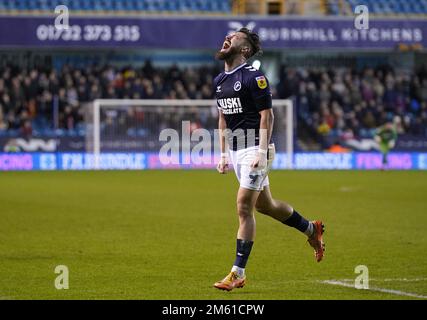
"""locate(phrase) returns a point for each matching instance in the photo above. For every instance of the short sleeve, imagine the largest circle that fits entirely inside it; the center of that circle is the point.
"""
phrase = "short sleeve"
(260, 91)
(214, 90)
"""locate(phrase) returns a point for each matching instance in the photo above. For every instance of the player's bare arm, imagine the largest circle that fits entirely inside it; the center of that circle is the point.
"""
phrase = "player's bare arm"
(265, 131)
(222, 166)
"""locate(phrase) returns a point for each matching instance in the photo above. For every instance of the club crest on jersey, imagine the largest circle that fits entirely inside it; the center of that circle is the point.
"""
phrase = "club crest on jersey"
(261, 82)
(237, 86)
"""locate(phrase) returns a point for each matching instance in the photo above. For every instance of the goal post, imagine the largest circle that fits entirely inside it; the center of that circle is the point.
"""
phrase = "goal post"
(134, 125)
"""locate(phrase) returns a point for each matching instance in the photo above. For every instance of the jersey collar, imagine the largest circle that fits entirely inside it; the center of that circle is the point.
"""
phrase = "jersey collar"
(235, 69)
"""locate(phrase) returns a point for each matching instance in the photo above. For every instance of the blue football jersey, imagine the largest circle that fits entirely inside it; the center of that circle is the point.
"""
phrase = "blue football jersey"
(241, 94)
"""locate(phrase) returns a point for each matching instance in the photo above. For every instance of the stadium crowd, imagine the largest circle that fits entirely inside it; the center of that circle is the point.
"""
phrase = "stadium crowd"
(336, 105)
(332, 105)
(47, 101)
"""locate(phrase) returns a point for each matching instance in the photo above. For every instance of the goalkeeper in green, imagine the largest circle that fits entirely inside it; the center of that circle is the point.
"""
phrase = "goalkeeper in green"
(386, 137)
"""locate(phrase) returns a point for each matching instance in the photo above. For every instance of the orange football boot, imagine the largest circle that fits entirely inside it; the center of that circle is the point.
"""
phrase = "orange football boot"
(316, 239)
(230, 282)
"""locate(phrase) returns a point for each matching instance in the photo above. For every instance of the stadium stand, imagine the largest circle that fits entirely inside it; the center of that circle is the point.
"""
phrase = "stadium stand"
(335, 105)
(332, 104)
(115, 6)
(215, 7)
(390, 7)
(47, 102)
(377, 7)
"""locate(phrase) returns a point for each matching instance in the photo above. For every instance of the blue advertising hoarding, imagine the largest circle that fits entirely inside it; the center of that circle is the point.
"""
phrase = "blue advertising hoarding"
(149, 161)
(208, 33)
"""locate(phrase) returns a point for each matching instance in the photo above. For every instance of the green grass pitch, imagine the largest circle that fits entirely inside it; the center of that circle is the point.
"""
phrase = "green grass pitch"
(171, 235)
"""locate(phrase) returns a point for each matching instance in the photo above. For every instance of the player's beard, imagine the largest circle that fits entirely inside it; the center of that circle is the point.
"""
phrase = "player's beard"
(227, 55)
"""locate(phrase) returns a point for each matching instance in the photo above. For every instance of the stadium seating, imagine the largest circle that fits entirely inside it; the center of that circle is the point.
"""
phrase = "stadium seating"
(106, 6)
(390, 7)
(330, 7)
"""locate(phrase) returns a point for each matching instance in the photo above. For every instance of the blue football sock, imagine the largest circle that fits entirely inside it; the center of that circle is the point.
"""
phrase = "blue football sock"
(242, 252)
(297, 221)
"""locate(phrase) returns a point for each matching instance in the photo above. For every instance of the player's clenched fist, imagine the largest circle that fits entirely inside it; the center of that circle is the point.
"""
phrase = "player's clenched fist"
(222, 166)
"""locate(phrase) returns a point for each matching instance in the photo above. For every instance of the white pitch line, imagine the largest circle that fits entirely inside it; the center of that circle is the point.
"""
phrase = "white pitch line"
(396, 292)
(404, 279)
(387, 280)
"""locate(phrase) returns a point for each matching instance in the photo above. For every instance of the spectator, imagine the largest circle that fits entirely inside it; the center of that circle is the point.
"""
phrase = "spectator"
(3, 123)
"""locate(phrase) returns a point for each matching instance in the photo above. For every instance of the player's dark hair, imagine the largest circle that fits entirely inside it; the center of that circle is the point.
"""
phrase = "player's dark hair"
(253, 40)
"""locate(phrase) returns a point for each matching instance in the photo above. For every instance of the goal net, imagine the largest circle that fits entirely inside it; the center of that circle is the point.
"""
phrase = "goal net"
(171, 133)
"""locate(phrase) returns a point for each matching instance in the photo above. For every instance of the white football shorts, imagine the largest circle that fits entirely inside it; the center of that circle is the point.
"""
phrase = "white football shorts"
(249, 178)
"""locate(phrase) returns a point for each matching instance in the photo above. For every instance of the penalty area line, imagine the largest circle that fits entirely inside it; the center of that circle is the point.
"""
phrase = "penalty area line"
(395, 292)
